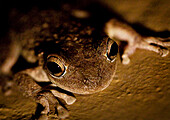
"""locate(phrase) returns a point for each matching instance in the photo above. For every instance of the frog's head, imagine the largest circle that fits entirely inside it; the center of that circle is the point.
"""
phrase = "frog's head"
(82, 67)
(82, 62)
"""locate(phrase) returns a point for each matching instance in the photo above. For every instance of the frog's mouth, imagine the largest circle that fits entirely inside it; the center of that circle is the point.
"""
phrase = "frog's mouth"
(86, 87)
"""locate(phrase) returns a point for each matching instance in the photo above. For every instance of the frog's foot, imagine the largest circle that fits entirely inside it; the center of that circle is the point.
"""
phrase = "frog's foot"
(149, 43)
(158, 42)
(52, 108)
(30, 88)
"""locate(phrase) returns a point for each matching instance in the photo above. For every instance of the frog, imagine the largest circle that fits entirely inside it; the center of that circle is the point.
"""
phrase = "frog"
(71, 55)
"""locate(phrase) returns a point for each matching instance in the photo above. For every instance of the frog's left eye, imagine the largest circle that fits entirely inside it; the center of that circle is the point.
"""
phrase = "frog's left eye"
(54, 66)
(112, 50)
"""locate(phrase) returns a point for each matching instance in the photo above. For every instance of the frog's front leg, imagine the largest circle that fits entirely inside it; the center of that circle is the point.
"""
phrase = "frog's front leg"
(123, 32)
(45, 97)
(39, 75)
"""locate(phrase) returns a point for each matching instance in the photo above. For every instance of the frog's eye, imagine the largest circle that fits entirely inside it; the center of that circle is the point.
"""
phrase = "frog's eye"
(54, 66)
(112, 50)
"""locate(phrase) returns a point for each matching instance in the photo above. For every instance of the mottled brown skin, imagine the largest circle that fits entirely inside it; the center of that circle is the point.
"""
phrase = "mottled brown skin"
(84, 54)
(82, 50)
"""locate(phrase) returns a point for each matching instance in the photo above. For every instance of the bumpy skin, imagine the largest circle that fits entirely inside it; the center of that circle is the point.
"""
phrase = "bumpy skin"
(83, 50)
(87, 55)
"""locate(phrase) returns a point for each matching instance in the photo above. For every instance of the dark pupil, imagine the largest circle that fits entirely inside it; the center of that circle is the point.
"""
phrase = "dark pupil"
(53, 67)
(113, 50)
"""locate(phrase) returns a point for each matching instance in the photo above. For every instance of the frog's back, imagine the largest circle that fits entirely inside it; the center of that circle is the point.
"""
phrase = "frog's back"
(32, 28)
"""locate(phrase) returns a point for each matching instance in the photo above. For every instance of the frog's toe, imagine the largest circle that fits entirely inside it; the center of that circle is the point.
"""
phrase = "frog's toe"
(129, 50)
(164, 52)
(67, 98)
(44, 102)
(155, 48)
(158, 41)
(70, 100)
(125, 59)
(62, 112)
(6, 85)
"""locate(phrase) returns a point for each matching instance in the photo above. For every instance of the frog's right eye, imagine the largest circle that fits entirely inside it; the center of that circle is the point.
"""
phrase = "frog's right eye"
(54, 66)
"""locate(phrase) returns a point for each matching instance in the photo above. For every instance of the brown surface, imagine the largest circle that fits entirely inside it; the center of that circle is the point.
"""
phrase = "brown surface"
(139, 91)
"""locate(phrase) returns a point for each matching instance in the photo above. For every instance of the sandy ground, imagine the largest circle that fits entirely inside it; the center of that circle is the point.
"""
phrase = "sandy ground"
(139, 91)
